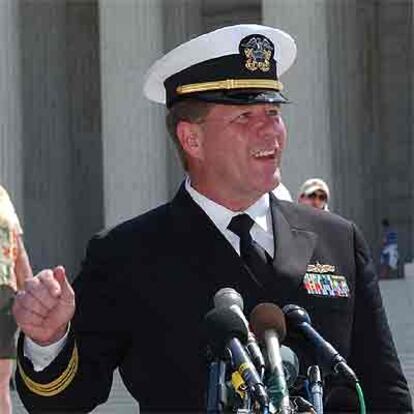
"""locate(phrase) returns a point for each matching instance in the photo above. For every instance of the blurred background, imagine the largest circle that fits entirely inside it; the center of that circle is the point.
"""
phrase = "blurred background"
(82, 149)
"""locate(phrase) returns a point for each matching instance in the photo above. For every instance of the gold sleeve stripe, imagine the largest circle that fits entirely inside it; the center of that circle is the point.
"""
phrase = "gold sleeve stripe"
(230, 84)
(59, 384)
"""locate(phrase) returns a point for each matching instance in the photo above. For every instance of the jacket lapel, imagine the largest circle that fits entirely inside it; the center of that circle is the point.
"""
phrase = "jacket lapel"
(293, 246)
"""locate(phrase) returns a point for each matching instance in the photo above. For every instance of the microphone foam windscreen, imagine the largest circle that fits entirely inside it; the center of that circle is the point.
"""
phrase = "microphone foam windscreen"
(295, 316)
(266, 316)
(223, 324)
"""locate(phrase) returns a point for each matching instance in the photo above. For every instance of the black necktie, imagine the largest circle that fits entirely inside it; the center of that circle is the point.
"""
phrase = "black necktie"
(253, 255)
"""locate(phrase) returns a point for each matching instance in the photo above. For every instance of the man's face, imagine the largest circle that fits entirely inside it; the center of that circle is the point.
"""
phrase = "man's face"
(240, 150)
(316, 199)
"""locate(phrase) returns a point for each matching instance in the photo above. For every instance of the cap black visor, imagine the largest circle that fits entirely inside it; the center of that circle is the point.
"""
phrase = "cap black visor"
(240, 97)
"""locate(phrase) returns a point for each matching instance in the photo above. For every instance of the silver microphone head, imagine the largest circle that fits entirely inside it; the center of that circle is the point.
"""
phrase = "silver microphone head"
(227, 297)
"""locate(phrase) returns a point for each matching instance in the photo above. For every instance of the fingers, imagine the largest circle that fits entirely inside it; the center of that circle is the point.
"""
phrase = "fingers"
(59, 273)
(31, 303)
(24, 315)
(66, 290)
(27, 320)
(40, 296)
(45, 306)
(44, 288)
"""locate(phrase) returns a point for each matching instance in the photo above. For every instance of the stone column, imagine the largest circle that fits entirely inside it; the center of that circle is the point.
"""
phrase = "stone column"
(84, 112)
(61, 129)
(307, 86)
(218, 13)
(182, 21)
(11, 169)
(411, 175)
(134, 138)
(394, 166)
(48, 187)
(351, 114)
(370, 47)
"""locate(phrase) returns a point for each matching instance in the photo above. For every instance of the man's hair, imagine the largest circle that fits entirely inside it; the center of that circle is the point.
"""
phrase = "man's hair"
(189, 110)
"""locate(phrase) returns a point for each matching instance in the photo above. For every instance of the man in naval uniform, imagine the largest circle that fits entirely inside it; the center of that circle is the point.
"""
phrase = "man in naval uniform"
(146, 284)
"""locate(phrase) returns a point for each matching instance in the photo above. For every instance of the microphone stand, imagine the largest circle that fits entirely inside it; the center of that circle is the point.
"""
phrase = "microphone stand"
(216, 396)
(316, 388)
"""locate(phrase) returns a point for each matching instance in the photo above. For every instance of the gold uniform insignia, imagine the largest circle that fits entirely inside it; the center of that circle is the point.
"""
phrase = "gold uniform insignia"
(320, 268)
(258, 52)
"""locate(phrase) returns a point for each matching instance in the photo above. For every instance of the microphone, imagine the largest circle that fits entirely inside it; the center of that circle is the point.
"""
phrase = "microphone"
(227, 332)
(230, 298)
(298, 320)
(268, 324)
(316, 388)
(290, 363)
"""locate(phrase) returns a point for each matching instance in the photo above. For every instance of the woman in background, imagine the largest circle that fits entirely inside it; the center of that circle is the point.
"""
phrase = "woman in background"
(14, 270)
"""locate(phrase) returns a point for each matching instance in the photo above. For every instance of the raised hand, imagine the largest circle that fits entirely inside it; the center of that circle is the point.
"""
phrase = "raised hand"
(45, 306)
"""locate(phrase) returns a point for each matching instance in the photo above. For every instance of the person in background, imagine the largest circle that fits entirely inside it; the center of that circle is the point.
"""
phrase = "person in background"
(389, 251)
(314, 192)
(14, 271)
(146, 285)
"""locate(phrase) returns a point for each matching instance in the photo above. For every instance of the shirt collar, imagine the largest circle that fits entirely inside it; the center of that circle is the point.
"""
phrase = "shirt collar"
(221, 216)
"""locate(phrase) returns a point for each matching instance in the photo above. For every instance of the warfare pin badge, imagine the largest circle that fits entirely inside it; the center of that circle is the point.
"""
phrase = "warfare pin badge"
(258, 52)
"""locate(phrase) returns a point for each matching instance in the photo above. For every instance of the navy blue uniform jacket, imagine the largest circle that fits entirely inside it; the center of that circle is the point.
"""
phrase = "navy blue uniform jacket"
(146, 285)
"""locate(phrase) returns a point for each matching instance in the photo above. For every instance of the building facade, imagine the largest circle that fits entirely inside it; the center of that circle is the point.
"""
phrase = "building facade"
(82, 149)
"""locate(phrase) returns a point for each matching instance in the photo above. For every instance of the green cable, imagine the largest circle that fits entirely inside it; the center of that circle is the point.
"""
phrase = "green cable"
(361, 400)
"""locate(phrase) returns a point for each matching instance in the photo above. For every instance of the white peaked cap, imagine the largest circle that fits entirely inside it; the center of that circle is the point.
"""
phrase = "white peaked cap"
(221, 56)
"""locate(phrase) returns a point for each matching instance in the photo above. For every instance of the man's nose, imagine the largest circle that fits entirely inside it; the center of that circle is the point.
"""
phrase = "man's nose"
(268, 120)
(268, 127)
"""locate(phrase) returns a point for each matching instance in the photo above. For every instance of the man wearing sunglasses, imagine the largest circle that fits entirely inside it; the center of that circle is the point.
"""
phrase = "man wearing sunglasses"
(314, 192)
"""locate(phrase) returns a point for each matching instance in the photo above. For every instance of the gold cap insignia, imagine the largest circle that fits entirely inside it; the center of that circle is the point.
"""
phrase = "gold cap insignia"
(258, 52)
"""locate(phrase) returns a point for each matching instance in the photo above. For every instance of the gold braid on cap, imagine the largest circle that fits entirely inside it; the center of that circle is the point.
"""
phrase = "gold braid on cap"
(59, 384)
(230, 84)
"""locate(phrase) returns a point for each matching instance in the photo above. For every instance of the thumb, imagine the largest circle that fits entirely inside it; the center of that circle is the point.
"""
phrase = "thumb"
(59, 274)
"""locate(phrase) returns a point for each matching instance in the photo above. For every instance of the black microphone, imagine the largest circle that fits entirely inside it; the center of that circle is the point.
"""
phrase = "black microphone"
(230, 298)
(298, 320)
(227, 332)
(268, 324)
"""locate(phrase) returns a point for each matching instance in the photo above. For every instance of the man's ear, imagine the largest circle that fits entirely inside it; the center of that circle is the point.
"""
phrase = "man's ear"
(190, 137)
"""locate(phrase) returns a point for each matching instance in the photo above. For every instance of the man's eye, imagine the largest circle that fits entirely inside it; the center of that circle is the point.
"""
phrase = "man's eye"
(274, 114)
(241, 118)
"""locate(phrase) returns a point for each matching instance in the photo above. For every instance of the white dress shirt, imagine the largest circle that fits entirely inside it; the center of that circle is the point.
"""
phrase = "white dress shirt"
(259, 212)
(42, 356)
